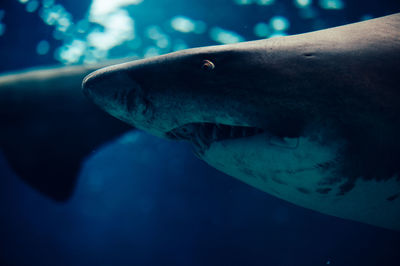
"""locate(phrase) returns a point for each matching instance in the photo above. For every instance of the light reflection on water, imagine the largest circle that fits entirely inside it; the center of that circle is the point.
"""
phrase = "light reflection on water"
(111, 25)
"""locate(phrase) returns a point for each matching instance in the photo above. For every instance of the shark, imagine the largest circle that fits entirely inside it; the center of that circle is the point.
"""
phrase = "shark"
(313, 118)
(48, 127)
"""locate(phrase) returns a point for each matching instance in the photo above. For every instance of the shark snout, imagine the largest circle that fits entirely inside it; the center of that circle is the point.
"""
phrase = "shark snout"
(107, 86)
(109, 89)
(115, 91)
(96, 84)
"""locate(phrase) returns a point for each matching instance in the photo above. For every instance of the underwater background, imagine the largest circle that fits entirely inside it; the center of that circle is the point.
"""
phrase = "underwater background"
(141, 200)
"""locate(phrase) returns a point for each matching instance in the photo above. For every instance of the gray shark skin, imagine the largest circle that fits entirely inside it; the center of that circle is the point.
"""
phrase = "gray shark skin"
(313, 119)
(48, 127)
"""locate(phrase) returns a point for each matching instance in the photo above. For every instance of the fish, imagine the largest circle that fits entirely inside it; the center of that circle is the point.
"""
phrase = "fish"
(48, 127)
(313, 118)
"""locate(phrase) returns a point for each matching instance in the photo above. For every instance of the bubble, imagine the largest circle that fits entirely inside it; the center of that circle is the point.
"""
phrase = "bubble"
(43, 47)
(182, 24)
(23, 1)
(224, 36)
(279, 23)
(331, 4)
(32, 6)
(302, 3)
(186, 25)
(63, 24)
(262, 30)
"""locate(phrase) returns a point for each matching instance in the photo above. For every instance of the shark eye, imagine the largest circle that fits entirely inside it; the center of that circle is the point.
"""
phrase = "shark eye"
(207, 65)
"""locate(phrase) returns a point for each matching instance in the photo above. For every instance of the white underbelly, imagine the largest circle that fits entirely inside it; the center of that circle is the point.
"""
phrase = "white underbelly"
(300, 173)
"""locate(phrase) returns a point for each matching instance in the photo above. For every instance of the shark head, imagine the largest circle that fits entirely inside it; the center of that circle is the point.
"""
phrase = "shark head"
(226, 100)
(202, 95)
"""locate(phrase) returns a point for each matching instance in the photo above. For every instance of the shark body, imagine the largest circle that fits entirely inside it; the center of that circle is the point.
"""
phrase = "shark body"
(48, 127)
(313, 119)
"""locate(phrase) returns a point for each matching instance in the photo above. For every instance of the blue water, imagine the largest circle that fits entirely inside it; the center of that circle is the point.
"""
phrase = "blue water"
(141, 200)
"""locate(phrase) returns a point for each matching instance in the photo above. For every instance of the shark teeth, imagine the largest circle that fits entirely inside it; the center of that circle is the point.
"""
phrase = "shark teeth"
(203, 134)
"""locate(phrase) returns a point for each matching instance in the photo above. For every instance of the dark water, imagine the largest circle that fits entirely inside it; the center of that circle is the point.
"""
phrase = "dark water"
(145, 201)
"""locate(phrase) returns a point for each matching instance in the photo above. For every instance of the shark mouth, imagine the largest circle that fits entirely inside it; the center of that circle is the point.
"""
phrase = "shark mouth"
(203, 134)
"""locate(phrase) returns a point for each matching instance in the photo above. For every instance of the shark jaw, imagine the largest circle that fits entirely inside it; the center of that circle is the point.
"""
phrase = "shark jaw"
(203, 135)
(295, 168)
